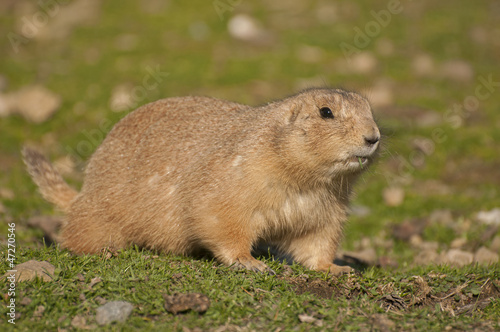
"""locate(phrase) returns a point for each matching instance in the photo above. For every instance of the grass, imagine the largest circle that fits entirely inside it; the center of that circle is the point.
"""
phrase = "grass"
(245, 299)
(85, 67)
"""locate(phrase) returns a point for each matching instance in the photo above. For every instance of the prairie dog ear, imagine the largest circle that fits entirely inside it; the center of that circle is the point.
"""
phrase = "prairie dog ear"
(293, 113)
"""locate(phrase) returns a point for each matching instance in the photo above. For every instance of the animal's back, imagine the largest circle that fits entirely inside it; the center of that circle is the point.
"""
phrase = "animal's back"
(173, 129)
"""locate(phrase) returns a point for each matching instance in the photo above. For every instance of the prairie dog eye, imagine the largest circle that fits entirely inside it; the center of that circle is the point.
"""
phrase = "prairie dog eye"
(326, 113)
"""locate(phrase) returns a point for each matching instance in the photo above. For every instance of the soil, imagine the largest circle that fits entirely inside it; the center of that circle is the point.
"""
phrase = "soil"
(454, 301)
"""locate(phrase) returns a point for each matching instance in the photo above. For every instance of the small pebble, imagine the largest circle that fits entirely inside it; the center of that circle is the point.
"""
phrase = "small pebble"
(423, 65)
(35, 103)
(489, 217)
(363, 63)
(495, 244)
(485, 256)
(457, 257)
(115, 311)
(244, 27)
(457, 70)
(458, 243)
(393, 196)
(31, 269)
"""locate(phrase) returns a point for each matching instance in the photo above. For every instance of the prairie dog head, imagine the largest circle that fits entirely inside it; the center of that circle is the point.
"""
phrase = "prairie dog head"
(329, 132)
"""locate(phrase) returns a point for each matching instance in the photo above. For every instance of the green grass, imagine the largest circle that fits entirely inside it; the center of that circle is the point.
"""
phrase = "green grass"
(85, 67)
(241, 298)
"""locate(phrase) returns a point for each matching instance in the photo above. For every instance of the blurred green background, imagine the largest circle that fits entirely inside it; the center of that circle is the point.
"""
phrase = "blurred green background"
(423, 65)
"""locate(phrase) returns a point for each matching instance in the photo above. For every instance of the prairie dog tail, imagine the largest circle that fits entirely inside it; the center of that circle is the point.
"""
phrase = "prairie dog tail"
(52, 186)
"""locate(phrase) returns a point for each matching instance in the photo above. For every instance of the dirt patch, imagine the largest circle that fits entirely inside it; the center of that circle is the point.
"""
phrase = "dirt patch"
(318, 287)
(178, 303)
(409, 294)
(464, 298)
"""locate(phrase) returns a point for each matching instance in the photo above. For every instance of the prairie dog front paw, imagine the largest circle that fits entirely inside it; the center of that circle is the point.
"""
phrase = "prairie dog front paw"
(252, 264)
(336, 270)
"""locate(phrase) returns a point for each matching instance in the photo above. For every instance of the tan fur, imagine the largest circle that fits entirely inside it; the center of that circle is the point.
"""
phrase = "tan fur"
(195, 173)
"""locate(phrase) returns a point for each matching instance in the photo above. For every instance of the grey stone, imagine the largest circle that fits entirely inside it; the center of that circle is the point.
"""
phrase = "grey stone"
(115, 311)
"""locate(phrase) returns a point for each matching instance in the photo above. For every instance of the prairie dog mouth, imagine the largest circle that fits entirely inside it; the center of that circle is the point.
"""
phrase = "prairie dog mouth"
(360, 160)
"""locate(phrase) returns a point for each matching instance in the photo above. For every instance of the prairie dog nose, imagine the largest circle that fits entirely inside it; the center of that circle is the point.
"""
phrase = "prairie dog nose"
(372, 136)
(371, 140)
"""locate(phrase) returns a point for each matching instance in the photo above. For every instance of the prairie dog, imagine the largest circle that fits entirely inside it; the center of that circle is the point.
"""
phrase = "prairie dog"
(187, 174)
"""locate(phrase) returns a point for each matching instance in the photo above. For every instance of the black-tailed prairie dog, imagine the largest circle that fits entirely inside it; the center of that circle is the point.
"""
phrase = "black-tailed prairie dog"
(191, 174)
